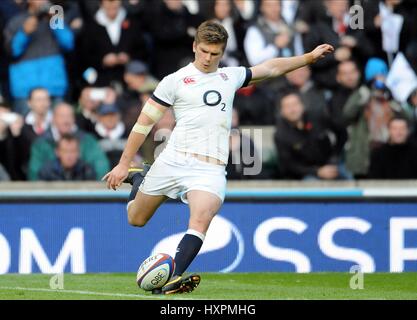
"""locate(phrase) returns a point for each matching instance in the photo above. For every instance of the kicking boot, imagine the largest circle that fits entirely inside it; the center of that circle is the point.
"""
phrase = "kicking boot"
(135, 170)
(157, 291)
(181, 284)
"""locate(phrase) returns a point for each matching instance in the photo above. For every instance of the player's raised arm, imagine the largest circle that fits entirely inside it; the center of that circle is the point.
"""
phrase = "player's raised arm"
(276, 67)
(151, 113)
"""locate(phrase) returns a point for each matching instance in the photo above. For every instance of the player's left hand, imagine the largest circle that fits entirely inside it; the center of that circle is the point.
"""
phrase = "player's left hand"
(114, 178)
(321, 51)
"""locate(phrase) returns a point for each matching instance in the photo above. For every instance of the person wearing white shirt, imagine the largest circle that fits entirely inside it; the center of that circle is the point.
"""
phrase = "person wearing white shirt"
(192, 166)
(270, 36)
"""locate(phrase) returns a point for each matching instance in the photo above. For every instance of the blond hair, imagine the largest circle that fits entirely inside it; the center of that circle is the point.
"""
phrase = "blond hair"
(211, 32)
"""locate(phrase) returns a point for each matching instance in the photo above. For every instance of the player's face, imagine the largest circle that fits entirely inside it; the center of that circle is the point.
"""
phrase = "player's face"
(207, 56)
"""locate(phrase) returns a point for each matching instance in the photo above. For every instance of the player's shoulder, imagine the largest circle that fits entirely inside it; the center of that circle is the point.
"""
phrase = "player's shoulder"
(242, 75)
(237, 69)
(233, 72)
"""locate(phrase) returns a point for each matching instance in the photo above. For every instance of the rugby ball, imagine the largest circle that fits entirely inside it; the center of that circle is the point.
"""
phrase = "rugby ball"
(155, 271)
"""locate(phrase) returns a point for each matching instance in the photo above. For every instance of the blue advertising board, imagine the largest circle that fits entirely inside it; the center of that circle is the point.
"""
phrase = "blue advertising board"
(244, 237)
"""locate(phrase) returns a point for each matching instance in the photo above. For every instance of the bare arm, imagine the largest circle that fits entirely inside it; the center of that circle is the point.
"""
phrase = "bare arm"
(135, 140)
(279, 66)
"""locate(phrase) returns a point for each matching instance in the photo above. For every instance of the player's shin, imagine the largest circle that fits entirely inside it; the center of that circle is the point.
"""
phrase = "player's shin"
(187, 250)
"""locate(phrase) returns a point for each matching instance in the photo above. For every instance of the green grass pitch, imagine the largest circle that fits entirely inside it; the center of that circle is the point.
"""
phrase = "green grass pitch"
(215, 286)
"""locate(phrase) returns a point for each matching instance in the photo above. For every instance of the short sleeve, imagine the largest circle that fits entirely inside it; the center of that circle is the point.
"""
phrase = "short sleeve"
(243, 76)
(164, 93)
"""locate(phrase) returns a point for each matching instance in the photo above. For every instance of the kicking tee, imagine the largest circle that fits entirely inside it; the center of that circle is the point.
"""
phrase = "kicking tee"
(202, 105)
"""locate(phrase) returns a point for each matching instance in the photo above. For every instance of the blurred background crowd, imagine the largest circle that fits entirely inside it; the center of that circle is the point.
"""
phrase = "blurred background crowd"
(71, 90)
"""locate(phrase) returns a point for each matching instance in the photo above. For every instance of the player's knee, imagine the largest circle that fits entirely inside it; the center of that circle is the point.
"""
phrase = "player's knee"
(136, 221)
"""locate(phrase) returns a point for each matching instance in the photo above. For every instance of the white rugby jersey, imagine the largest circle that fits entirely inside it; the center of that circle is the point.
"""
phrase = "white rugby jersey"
(202, 105)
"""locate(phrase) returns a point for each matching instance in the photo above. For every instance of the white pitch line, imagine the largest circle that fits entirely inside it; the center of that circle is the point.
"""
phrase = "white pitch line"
(92, 293)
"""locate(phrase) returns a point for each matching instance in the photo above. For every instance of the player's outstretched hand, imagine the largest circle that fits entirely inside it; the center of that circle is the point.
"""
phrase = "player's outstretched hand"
(115, 177)
(321, 51)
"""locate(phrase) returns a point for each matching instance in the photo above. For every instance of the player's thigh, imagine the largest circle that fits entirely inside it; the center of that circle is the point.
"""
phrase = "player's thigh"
(204, 206)
(143, 208)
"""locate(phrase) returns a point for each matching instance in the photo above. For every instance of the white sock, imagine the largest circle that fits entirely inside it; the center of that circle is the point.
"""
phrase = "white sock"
(197, 234)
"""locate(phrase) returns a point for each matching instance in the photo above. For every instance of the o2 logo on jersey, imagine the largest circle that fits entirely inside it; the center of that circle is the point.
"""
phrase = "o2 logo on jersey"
(213, 98)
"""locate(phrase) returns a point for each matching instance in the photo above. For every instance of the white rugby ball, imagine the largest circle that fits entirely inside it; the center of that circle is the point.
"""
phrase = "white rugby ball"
(155, 271)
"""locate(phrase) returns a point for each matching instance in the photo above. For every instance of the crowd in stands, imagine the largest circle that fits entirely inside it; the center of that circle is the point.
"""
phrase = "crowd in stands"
(71, 89)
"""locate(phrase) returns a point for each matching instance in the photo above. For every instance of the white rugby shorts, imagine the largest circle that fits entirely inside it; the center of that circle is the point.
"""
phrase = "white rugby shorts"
(174, 174)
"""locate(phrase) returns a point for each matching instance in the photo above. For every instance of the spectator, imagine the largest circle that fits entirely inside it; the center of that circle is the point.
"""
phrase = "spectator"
(226, 14)
(270, 36)
(367, 113)
(37, 52)
(110, 41)
(313, 98)
(73, 19)
(294, 14)
(137, 81)
(39, 118)
(397, 158)
(348, 43)
(173, 31)
(36, 122)
(67, 166)
(10, 8)
(246, 8)
(136, 8)
(348, 78)
(244, 161)
(63, 122)
(307, 149)
(379, 21)
(88, 103)
(10, 129)
(411, 107)
(111, 132)
(311, 12)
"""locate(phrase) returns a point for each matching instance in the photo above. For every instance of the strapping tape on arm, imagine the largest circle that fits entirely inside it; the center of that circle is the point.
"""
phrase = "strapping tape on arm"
(143, 129)
(152, 112)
